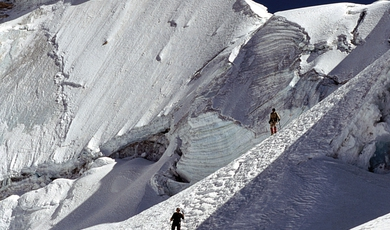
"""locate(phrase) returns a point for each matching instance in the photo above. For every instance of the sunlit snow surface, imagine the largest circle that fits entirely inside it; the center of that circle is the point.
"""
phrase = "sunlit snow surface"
(287, 181)
(185, 88)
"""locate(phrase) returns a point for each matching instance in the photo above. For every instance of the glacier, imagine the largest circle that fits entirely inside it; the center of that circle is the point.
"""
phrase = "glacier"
(115, 113)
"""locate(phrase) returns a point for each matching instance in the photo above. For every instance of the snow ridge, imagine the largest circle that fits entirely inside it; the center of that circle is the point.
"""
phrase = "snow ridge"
(304, 140)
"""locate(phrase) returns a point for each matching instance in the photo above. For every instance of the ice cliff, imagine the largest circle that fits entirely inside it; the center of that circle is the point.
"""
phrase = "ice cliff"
(188, 86)
(77, 74)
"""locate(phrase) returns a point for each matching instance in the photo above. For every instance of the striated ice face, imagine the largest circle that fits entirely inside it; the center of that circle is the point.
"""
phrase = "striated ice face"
(86, 72)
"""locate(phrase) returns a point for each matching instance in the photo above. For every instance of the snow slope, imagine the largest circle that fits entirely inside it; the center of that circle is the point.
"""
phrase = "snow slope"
(287, 181)
(182, 92)
(85, 88)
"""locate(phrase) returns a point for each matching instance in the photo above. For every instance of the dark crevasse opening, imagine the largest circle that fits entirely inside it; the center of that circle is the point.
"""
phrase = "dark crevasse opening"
(380, 160)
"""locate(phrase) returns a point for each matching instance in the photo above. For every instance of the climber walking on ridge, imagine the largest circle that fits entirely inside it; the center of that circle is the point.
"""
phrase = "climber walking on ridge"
(274, 118)
(176, 218)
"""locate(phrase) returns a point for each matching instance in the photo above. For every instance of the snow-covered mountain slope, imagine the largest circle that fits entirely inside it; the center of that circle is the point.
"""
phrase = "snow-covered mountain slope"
(187, 87)
(328, 36)
(89, 71)
(287, 181)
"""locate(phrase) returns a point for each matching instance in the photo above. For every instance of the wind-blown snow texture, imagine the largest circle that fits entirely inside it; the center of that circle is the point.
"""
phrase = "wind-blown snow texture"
(179, 95)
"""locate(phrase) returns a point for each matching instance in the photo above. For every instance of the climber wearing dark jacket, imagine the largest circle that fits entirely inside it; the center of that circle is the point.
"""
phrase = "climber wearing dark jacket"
(274, 118)
(176, 218)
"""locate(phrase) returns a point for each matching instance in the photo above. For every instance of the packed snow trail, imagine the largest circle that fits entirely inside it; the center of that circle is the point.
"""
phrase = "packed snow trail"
(323, 193)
